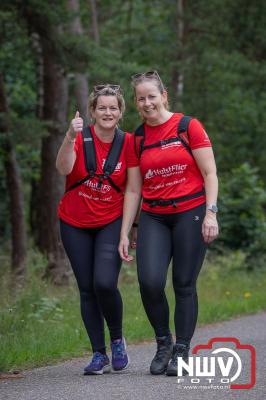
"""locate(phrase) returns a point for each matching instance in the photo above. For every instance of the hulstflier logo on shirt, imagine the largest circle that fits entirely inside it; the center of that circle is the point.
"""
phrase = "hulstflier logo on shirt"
(94, 186)
(165, 172)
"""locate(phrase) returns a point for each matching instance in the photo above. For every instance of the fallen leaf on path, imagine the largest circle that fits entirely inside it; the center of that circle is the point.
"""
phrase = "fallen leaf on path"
(11, 375)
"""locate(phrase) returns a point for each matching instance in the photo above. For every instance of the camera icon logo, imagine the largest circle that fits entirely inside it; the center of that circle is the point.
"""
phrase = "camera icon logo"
(224, 360)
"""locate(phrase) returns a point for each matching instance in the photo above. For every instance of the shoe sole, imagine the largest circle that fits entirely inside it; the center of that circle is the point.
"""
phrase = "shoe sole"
(171, 373)
(174, 373)
(159, 372)
(105, 370)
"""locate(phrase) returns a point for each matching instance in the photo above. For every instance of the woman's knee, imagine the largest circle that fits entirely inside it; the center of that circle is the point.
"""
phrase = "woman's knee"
(151, 289)
(86, 293)
(185, 289)
(105, 288)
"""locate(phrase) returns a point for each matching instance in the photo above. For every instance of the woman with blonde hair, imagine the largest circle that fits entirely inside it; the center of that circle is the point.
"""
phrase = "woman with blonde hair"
(99, 164)
(178, 216)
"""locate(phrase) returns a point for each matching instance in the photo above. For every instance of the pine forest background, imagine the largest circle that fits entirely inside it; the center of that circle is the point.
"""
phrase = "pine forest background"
(212, 57)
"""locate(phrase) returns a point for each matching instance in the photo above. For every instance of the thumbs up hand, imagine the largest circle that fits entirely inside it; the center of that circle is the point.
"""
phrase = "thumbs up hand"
(76, 125)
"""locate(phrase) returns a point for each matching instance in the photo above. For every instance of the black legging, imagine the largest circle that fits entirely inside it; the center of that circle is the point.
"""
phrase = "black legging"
(94, 257)
(160, 238)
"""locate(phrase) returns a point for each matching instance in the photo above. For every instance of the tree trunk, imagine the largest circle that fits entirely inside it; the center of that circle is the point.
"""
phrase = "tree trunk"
(95, 25)
(81, 80)
(178, 73)
(16, 204)
(51, 184)
(82, 94)
(34, 197)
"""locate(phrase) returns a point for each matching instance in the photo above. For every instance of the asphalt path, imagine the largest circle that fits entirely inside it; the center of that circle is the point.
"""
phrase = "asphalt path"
(65, 381)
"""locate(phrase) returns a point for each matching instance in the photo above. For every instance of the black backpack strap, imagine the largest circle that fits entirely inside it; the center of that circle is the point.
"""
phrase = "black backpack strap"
(139, 137)
(182, 132)
(89, 151)
(182, 129)
(114, 152)
(90, 158)
(140, 131)
(183, 123)
(76, 184)
(112, 158)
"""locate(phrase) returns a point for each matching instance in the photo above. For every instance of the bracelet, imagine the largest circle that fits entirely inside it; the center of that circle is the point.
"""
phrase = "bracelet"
(135, 224)
(70, 140)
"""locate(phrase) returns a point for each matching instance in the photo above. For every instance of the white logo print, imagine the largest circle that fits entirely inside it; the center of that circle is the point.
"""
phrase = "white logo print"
(149, 174)
(196, 218)
(207, 365)
(94, 186)
(233, 365)
(174, 144)
(118, 165)
(164, 172)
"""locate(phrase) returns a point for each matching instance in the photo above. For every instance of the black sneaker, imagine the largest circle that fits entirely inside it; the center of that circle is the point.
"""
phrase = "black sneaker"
(179, 350)
(162, 356)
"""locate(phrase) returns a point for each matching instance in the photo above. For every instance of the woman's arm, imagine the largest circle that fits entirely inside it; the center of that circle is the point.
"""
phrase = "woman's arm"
(66, 156)
(205, 160)
(131, 203)
(134, 229)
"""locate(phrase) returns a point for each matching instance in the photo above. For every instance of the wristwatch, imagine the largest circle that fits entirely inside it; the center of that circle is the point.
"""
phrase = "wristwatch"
(213, 208)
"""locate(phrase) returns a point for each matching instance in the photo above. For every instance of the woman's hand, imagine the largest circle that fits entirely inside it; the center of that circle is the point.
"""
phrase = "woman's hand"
(210, 228)
(76, 125)
(123, 249)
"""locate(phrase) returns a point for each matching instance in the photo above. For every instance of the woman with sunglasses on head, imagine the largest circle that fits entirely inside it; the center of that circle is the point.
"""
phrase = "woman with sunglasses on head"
(178, 217)
(90, 215)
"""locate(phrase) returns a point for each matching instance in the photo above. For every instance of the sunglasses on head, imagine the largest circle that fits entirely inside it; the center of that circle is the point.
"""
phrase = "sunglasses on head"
(98, 88)
(148, 74)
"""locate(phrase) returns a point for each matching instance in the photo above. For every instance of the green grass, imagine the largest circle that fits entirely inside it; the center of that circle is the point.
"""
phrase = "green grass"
(43, 325)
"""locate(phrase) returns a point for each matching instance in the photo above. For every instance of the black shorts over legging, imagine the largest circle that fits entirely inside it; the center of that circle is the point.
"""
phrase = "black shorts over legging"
(162, 237)
(94, 257)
